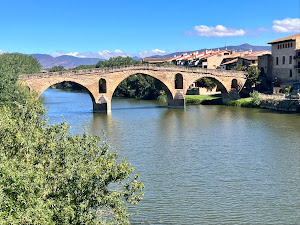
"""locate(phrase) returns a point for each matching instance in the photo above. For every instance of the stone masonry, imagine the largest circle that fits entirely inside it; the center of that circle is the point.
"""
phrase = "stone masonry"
(228, 82)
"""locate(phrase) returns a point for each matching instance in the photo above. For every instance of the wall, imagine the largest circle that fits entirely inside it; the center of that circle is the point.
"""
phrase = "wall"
(282, 71)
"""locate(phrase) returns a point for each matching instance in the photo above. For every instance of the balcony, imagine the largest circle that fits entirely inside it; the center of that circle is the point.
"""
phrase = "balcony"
(297, 66)
(296, 57)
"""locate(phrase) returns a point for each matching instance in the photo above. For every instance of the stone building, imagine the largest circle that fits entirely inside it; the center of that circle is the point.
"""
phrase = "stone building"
(265, 64)
(286, 59)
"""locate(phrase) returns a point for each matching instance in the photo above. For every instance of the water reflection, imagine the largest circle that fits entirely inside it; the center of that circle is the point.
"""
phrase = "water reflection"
(201, 165)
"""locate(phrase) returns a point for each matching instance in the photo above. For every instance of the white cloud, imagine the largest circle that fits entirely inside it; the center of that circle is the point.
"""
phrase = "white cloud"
(1, 51)
(105, 54)
(142, 54)
(287, 25)
(75, 54)
(118, 51)
(218, 31)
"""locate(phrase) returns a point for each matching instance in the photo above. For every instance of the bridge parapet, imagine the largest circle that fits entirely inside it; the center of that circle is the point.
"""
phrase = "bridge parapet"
(102, 82)
(105, 70)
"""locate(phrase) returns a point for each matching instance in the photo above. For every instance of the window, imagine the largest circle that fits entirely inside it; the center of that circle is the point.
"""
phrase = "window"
(278, 46)
(291, 73)
(276, 60)
(291, 45)
(102, 86)
(253, 61)
(290, 59)
(285, 45)
(283, 60)
(178, 81)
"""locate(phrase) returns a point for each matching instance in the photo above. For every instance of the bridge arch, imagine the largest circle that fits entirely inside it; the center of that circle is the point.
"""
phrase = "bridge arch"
(220, 86)
(42, 88)
(164, 86)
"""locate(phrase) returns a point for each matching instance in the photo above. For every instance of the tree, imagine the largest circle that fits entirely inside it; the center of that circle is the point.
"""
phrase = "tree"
(207, 83)
(49, 176)
(11, 66)
(252, 74)
(117, 61)
(56, 69)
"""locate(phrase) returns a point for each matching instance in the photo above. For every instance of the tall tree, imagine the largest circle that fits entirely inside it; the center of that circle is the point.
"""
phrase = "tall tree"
(49, 176)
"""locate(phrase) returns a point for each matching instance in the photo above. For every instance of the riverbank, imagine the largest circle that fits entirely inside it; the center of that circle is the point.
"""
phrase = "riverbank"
(203, 99)
(250, 102)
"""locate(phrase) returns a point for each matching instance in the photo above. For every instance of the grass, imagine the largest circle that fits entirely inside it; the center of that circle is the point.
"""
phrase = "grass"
(203, 99)
(243, 102)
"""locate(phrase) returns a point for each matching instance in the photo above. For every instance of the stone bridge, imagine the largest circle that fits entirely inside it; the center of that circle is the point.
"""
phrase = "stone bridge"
(102, 82)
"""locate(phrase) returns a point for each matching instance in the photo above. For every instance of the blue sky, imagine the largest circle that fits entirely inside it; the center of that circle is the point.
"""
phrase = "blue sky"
(95, 28)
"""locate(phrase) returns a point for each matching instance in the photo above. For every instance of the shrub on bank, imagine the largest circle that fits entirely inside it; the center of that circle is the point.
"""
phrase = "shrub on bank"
(202, 99)
(243, 102)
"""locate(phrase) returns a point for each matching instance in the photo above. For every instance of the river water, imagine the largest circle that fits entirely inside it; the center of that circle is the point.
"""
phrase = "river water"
(202, 164)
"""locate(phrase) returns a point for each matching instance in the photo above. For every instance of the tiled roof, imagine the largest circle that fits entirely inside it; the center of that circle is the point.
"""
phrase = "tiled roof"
(289, 38)
(231, 61)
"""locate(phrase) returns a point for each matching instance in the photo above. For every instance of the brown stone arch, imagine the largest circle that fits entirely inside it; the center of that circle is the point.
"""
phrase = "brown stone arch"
(45, 86)
(220, 86)
(147, 73)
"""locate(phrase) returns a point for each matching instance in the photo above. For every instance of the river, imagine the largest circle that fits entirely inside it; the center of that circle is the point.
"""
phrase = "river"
(202, 164)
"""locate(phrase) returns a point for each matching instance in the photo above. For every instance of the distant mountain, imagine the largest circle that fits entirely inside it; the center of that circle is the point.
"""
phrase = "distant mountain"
(47, 61)
(243, 47)
(67, 61)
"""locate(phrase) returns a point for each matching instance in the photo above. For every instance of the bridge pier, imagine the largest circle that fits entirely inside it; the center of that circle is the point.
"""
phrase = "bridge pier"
(177, 102)
(102, 106)
(232, 95)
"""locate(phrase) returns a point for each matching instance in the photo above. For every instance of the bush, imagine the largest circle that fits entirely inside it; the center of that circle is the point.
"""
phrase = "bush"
(256, 99)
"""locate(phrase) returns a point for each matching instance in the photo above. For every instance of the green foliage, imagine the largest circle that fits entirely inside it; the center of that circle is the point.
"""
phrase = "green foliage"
(68, 85)
(252, 74)
(117, 61)
(288, 89)
(12, 65)
(239, 67)
(16, 64)
(243, 102)
(139, 86)
(206, 83)
(199, 99)
(83, 67)
(49, 176)
(256, 99)
(56, 69)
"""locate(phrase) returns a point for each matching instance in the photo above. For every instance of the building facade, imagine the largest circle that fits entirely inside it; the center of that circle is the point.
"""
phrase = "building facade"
(286, 59)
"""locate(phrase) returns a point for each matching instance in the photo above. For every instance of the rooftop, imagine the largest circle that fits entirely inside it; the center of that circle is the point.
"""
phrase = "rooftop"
(289, 38)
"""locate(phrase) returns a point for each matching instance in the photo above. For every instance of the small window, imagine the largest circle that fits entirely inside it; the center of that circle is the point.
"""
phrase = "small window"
(285, 45)
(291, 59)
(291, 73)
(283, 60)
(102, 85)
(253, 61)
(276, 60)
(278, 46)
(291, 45)
(178, 81)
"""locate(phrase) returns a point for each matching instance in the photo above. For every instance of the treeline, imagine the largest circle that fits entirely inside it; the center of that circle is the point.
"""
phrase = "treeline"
(49, 176)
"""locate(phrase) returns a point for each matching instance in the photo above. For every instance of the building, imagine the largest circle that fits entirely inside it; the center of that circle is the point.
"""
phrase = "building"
(285, 59)
(247, 58)
(210, 59)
